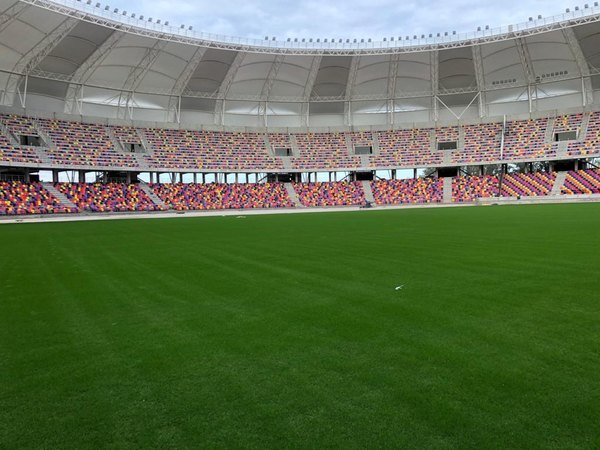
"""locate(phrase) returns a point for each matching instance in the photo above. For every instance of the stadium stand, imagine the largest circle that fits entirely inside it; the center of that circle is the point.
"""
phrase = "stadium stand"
(527, 140)
(111, 197)
(19, 125)
(582, 182)
(566, 123)
(362, 138)
(127, 135)
(82, 144)
(405, 148)
(469, 189)
(590, 145)
(17, 154)
(183, 197)
(18, 198)
(410, 191)
(182, 149)
(75, 144)
(323, 151)
(343, 193)
(528, 184)
(482, 144)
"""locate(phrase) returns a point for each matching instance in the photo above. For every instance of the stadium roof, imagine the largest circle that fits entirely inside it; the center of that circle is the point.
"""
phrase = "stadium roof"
(79, 58)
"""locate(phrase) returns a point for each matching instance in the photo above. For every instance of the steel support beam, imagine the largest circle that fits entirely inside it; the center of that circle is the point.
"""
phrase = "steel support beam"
(434, 72)
(11, 13)
(350, 86)
(225, 86)
(182, 82)
(527, 65)
(135, 77)
(33, 57)
(391, 87)
(268, 86)
(582, 65)
(480, 78)
(308, 88)
(85, 71)
(525, 59)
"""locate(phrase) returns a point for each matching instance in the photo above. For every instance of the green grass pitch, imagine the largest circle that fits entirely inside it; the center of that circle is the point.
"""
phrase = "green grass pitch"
(287, 331)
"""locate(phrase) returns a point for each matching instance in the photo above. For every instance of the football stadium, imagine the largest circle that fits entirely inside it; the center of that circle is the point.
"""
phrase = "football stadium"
(212, 241)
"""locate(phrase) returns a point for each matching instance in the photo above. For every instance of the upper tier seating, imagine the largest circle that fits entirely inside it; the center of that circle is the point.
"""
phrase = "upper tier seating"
(406, 148)
(83, 144)
(482, 144)
(361, 138)
(111, 197)
(342, 193)
(323, 151)
(590, 143)
(526, 139)
(12, 154)
(209, 150)
(409, 191)
(582, 182)
(127, 135)
(184, 197)
(280, 140)
(74, 144)
(19, 125)
(569, 122)
(18, 198)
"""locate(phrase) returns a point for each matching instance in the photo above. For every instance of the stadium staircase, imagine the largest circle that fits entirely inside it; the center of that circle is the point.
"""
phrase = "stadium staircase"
(46, 139)
(585, 123)
(559, 183)
(294, 144)
(113, 139)
(270, 149)
(41, 153)
(549, 136)
(349, 146)
(293, 196)
(366, 185)
(562, 149)
(5, 131)
(461, 138)
(375, 143)
(155, 198)
(62, 198)
(447, 190)
(147, 147)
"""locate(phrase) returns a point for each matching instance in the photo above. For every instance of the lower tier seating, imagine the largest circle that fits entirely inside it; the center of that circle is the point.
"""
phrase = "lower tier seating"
(192, 196)
(342, 193)
(20, 199)
(469, 189)
(410, 191)
(111, 197)
(528, 184)
(582, 182)
(17, 198)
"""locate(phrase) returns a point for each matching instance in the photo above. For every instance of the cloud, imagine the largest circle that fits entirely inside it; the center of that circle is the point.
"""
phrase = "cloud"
(336, 19)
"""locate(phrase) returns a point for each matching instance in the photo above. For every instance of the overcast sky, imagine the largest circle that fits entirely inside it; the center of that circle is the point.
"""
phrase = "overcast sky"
(340, 19)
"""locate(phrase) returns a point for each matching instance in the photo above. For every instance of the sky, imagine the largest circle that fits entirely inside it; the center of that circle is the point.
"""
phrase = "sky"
(340, 19)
